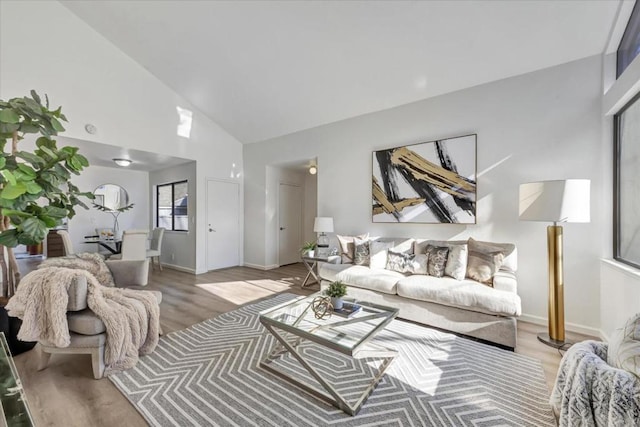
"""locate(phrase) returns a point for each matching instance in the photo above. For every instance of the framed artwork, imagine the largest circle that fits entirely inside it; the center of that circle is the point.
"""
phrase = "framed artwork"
(430, 182)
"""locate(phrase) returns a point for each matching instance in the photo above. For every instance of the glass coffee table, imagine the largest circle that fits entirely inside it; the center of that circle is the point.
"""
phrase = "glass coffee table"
(294, 322)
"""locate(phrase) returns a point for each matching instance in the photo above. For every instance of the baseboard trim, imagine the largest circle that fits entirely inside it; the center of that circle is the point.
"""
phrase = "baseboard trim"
(261, 267)
(179, 268)
(572, 327)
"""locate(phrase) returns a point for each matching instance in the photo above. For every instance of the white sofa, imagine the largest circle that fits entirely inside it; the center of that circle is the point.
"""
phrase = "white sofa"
(466, 307)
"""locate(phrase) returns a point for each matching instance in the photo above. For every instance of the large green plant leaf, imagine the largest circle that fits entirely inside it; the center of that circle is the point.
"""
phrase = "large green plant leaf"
(9, 238)
(9, 116)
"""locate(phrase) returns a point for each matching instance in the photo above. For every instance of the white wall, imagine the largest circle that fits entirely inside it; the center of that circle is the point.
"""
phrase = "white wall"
(97, 83)
(538, 126)
(178, 247)
(86, 221)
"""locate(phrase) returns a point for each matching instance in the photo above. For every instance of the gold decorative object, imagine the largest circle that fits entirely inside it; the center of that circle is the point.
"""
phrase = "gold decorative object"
(322, 307)
(555, 201)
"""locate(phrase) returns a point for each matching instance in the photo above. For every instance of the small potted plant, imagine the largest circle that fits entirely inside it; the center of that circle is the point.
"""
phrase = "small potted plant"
(336, 291)
(308, 249)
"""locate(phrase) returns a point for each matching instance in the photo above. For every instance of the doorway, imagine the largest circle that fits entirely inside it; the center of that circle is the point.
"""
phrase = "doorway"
(290, 223)
(223, 224)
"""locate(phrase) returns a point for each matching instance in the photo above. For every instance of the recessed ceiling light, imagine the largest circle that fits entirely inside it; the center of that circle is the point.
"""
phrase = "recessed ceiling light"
(123, 162)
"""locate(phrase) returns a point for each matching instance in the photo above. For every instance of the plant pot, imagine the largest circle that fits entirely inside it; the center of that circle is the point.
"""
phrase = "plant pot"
(337, 303)
(310, 254)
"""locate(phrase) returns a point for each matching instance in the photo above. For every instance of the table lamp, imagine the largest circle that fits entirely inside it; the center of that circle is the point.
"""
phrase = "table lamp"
(323, 225)
(555, 201)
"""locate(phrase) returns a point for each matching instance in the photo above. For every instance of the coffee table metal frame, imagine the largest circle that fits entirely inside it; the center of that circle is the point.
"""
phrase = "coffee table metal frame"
(361, 349)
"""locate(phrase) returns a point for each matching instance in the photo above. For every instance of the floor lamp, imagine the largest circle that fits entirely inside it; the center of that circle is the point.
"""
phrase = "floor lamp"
(557, 202)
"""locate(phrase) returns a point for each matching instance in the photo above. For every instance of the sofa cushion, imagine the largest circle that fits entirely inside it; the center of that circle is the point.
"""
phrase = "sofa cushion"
(347, 246)
(362, 277)
(510, 251)
(85, 322)
(457, 262)
(361, 251)
(484, 261)
(437, 260)
(378, 253)
(466, 294)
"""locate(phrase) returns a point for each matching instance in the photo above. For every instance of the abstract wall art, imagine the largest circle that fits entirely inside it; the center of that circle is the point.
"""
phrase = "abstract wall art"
(430, 182)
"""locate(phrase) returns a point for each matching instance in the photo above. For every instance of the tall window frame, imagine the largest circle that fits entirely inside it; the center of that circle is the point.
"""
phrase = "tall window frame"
(619, 199)
(172, 213)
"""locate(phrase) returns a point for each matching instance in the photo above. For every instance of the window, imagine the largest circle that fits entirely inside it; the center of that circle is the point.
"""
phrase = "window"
(172, 206)
(630, 44)
(626, 246)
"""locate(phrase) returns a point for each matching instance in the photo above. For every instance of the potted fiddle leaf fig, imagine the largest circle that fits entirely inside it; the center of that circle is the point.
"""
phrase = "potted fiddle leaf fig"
(36, 193)
(336, 290)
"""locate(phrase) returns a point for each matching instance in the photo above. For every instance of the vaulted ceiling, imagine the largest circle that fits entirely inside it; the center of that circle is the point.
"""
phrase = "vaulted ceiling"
(262, 69)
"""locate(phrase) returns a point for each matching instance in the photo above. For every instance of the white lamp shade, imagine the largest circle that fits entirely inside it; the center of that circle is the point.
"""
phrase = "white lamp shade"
(556, 201)
(323, 224)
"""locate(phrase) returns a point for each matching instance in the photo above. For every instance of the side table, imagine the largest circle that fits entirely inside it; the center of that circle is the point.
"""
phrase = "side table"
(311, 263)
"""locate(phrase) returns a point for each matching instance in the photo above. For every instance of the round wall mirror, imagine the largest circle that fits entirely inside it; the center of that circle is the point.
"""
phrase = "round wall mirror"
(111, 196)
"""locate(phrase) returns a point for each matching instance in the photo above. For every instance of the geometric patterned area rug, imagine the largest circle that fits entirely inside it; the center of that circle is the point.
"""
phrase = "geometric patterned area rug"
(209, 374)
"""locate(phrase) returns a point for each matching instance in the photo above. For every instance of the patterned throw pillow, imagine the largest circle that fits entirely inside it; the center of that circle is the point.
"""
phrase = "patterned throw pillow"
(484, 261)
(437, 260)
(624, 347)
(347, 247)
(361, 251)
(457, 262)
(399, 261)
(378, 254)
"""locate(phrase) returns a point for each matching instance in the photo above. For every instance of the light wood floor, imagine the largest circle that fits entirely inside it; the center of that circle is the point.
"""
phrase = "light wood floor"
(65, 394)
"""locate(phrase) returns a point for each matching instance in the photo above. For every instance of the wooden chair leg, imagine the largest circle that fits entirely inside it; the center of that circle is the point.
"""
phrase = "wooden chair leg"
(159, 263)
(97, 362)
(43, 358)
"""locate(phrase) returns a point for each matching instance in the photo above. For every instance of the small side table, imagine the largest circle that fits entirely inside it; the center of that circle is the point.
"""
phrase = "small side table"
(311, 263)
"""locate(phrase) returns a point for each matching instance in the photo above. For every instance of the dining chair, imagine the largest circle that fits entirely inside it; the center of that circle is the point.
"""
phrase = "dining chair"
(155, 247)
(66, 241)
(134, 245)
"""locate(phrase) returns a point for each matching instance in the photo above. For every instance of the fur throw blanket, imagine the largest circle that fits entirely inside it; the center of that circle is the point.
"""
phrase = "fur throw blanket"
(132, 318)
(91, 262)
(590, 392)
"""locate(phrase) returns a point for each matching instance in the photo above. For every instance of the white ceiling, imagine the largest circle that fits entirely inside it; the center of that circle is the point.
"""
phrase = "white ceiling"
(103, 154)
(262, 69)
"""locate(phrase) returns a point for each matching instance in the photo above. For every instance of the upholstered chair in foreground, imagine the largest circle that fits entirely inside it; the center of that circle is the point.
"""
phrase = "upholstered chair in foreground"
(598, 384)
(87, 331)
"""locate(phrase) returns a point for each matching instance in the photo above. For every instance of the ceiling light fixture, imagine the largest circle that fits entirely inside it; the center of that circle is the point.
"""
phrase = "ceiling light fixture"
(123, 162)
(313, 169)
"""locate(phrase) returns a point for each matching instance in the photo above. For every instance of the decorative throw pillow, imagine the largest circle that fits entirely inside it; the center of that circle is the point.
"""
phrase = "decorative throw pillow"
(437, 260)
(378, 254)
(399, 261)
(624, 347)
(361, 251)
(484, 261)
(456, 266)
(347, 247)
(419, 264)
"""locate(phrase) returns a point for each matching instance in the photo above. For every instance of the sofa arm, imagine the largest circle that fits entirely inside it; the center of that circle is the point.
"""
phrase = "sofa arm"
(505, 280)
(129, 272)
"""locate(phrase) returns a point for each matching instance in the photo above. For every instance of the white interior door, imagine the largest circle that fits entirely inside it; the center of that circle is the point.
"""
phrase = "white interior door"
(223, 224)
(290, 228)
